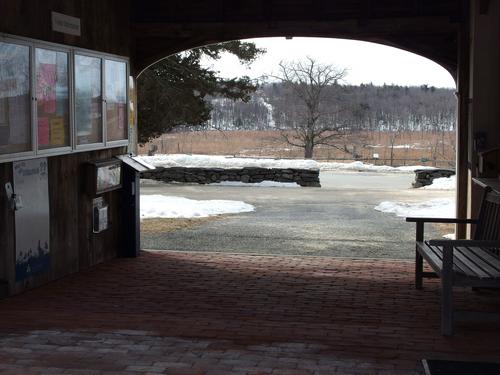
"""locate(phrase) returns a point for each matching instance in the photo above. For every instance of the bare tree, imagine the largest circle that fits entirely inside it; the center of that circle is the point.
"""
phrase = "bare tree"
(395, 131)
(310, 118)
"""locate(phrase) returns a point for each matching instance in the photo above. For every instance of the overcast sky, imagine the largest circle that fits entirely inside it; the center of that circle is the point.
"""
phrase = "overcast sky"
(366, 62)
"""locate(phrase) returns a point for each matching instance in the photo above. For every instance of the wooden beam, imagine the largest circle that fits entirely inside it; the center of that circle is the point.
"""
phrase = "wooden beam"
(190, 10)
(437, 41)
(396, 25)
(463, 82)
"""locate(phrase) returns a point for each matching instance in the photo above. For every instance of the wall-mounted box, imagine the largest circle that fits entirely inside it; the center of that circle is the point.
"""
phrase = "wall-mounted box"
(104, 176)
(100, 220)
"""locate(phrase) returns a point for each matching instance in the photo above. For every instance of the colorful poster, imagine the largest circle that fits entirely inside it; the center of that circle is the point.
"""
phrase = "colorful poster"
(33, 220)
(46, 87)
(57, 132)
(43, 131)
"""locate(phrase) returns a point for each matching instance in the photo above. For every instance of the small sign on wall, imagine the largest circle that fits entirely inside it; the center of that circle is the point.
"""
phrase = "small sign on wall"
(66, 24)
(32, 218)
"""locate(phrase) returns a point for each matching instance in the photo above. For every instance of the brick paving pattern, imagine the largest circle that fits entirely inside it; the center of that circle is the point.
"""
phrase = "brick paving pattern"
(217, 314)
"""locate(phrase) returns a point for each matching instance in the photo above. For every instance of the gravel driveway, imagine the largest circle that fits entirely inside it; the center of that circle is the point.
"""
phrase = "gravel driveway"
(336, 220)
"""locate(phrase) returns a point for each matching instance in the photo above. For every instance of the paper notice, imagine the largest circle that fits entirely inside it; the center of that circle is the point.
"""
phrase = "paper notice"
(57, 132)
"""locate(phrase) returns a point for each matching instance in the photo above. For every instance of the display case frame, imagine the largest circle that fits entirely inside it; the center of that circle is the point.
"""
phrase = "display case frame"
(73, 147)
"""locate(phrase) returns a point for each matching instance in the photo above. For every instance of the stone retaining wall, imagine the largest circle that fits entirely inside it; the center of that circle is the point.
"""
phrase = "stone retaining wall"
(303, 177)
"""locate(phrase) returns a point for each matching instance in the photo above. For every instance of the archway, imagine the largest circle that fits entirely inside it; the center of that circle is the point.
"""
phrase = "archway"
(436, 30)
(191, 151)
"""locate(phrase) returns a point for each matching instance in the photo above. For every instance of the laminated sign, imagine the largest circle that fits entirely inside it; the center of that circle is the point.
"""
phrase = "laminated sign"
(32, 218)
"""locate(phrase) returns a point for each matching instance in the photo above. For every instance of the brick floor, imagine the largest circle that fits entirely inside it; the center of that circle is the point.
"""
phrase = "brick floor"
(192, 313)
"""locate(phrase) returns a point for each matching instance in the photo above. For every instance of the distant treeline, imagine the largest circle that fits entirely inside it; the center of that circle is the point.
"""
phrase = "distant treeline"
(365, 107)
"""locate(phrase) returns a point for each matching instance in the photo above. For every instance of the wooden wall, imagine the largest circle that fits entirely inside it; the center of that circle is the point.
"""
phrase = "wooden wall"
(73, 245)
(484, 90)
(7, 246)
(105, 27)
(485, 77)
(105, 24)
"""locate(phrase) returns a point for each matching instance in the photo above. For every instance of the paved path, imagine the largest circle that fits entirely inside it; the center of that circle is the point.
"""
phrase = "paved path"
(335, 220)
(219, 314)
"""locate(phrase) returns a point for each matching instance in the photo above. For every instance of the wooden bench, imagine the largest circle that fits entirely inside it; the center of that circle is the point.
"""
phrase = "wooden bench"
(469, 263)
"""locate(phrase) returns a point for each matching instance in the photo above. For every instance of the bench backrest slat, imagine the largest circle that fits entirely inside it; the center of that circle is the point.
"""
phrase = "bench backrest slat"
(488, 226)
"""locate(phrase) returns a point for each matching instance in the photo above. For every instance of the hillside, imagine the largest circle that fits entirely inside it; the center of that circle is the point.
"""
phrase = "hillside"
(368, 107)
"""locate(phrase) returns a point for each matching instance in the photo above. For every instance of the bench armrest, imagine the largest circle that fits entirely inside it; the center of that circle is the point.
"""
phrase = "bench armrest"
(473, 243)
(440, 220)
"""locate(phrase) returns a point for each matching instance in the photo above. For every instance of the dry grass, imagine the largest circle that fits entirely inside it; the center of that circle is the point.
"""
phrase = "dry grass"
(270, 144)
(165, 225)
(443, 229)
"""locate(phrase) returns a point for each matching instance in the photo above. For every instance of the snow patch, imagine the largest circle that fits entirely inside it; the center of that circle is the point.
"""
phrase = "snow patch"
(359, 166)
(258, 184)
(441, 207)
(415, 146)
(143, 162)
(228, 162)
(443, 183)
(270, 111)
(162, 206)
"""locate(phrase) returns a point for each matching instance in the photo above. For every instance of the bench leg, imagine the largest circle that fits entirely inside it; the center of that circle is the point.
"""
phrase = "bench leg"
(446, 306)
(419, 261)
(419, 269)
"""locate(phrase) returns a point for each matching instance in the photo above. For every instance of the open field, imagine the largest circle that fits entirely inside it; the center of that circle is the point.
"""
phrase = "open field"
(409, 148)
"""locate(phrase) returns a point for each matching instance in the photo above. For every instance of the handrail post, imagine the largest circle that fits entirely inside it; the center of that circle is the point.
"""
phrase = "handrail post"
(447, 291)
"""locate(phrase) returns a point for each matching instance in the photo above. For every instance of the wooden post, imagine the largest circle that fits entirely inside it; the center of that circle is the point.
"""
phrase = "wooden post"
(463, 83)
